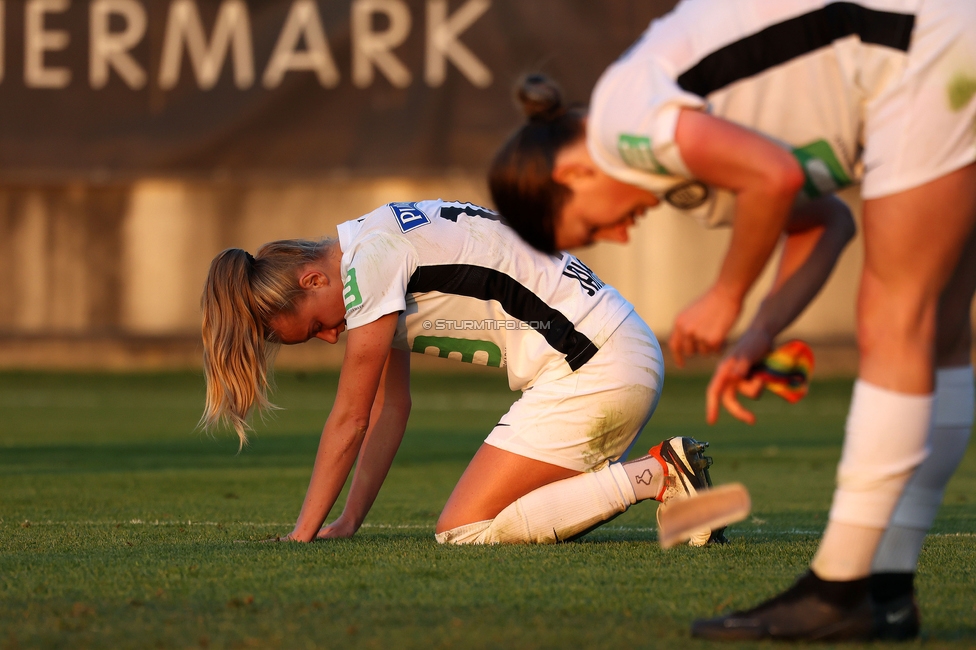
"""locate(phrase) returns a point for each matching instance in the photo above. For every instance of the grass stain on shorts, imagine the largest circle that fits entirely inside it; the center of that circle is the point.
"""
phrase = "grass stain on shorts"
(961, 90)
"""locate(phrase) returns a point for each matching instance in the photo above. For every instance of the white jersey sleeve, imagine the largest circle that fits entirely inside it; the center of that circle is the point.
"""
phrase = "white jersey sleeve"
(630, 135)
(375, 272)
(632, 121)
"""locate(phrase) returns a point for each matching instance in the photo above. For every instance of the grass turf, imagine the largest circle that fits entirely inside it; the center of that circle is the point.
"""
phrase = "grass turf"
(122, 527)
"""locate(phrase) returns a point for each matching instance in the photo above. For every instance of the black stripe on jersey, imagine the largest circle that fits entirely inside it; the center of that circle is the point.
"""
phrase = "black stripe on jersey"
(489, 284)
(452, 212)
(790, 39)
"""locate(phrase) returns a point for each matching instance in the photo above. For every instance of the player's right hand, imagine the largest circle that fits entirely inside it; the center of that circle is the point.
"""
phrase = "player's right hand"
(701, 327)
(338, 529)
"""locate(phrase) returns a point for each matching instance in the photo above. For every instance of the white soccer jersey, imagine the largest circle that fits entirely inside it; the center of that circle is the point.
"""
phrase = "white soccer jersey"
(877, 91)
(467, 287)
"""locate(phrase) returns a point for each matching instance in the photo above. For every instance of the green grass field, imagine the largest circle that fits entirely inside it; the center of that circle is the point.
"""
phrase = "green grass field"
(121, 526)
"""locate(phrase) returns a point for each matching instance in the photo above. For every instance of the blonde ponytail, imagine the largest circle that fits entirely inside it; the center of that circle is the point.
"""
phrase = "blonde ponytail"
(241, 297)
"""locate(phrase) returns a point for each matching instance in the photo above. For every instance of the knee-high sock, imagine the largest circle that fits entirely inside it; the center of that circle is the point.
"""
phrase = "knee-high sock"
(885, 441)
(554, 512)
(952, 423)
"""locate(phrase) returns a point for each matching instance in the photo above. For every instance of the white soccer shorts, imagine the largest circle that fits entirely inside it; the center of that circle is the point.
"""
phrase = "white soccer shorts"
(592, 417)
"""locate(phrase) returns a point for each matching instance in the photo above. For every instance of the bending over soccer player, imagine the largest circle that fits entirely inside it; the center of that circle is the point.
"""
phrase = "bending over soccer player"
(879, 92)
(411, 277)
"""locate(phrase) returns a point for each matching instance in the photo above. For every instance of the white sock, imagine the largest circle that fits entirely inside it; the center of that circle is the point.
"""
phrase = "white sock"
(646, 476)
(885, 441)
(554, 512)
(845, 552)
(952, 424)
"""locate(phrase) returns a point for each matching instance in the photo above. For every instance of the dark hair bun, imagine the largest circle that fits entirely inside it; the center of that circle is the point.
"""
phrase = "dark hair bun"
(540, 97)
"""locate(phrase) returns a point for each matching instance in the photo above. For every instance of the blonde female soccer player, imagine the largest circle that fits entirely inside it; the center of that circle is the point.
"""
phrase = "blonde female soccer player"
(452, 280)
(729, 111)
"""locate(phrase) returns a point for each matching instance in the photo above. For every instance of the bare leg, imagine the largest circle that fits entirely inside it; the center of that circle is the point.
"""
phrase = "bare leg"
(494, 479)
(908, 263)
(955, 332)
(506, 498)
(913, 242)
(897, 556)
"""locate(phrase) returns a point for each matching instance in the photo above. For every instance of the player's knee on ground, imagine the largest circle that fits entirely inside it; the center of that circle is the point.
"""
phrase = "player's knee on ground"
(552, 513)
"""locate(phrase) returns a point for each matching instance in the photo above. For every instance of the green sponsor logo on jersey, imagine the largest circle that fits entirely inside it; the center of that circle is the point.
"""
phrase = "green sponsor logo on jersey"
(825, 175)
(467, 348)
(350, 290)
(636, 152)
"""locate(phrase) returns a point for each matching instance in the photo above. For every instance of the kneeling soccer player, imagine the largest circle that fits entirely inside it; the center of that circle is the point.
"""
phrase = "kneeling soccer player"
(452, 279)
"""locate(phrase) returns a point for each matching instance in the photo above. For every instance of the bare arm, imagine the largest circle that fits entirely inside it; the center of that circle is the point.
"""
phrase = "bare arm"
(367, 349)
(818, 232)
(388, 421)
(765, 179)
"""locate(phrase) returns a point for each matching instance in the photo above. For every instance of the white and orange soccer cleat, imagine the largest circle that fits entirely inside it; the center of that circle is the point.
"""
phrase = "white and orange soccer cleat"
(685, 474)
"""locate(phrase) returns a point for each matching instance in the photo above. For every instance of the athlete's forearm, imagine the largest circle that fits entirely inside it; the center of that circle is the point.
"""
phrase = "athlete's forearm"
(759, 222)
(391, 411)
(338, 447)
(382, 442)
(817, 235)
(364, 363)
(703, 326)
(765, 178)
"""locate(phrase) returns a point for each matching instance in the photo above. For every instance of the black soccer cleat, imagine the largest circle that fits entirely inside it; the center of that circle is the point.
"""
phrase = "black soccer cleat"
(896, 620)
(802, 613)
(717, 536)
(896, 616)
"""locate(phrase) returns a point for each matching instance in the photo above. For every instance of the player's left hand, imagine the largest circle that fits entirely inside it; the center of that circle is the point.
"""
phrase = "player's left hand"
(701, 327)
(731, 378)
(338, 529)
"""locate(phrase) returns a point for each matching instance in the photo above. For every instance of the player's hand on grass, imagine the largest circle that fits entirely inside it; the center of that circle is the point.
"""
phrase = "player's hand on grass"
(732, 378)
(338, 529)
(293, 536)
(278, 538)
(701, 327)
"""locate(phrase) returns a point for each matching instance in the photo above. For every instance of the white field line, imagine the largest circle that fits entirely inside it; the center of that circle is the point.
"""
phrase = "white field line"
(267, 524)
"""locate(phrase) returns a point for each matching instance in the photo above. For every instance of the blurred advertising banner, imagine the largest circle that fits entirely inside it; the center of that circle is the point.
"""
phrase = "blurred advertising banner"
(103, 90)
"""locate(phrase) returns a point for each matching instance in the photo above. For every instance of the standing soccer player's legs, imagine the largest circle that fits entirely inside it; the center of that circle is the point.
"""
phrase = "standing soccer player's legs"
(894, 564)
(913, 241)
(908, 263)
